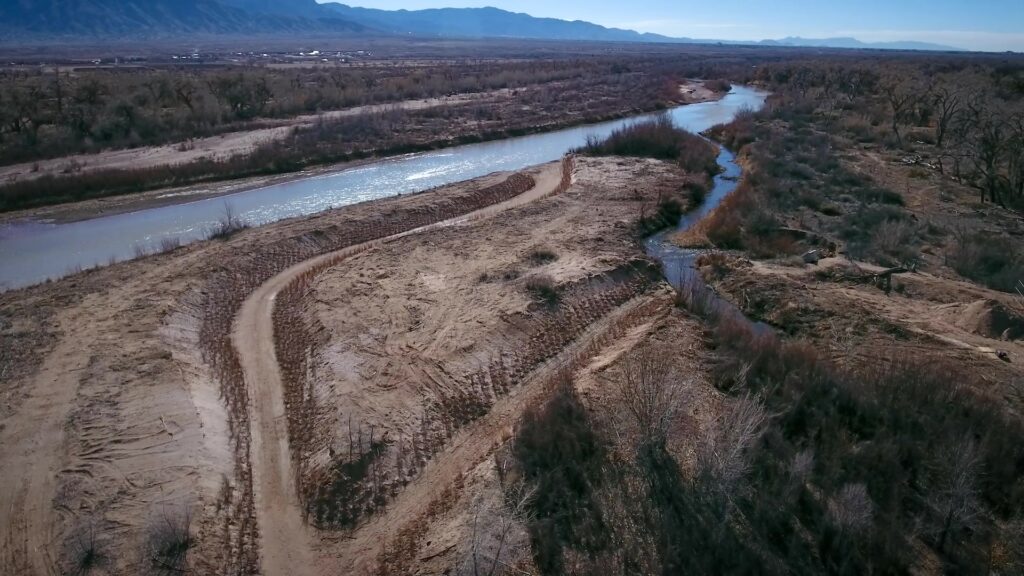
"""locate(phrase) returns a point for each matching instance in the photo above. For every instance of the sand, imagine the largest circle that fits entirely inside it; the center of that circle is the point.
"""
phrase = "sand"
(113, 422)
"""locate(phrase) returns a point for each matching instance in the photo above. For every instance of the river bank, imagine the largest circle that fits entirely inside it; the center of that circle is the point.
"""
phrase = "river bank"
(235, 143)
(32, 252)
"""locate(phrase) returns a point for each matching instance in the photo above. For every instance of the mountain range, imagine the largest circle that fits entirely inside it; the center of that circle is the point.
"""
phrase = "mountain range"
(105, 19)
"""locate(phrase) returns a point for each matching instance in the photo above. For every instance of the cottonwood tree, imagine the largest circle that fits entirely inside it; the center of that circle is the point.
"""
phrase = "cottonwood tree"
(495, 527)
(987, 141)
(1015, 156)
(723, 454)
(901, 93)
(948, 103)
(954, 498)
(652, 392)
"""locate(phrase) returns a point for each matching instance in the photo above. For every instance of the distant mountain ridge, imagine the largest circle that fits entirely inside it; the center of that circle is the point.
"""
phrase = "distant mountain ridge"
(103, 19)
(485, 23)
(846, 42)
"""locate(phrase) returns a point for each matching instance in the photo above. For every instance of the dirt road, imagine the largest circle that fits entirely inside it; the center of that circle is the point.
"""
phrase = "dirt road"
(33, 445)
(286, 539)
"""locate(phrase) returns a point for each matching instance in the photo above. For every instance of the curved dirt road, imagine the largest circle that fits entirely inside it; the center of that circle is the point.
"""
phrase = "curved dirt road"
(286, 541)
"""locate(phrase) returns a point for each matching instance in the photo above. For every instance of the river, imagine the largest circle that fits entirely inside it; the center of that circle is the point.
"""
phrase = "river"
(33, 251)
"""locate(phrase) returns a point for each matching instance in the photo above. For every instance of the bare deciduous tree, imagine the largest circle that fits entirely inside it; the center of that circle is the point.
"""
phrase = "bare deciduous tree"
(170, 539)
(901, 93)
(948, 103)
(723, 454)
(652, 392)
(494, 530)
(954, 498)
(851, 508)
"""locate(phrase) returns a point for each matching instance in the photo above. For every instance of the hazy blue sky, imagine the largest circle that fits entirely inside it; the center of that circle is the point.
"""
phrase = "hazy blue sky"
(972, 24)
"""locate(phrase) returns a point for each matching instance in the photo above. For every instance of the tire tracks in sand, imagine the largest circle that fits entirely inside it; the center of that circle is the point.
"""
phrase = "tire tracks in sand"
(31, 449)
(286, 541)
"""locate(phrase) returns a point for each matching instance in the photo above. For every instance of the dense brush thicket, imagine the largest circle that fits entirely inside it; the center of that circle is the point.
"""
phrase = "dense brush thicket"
(657, 138)
(853, 472)
(903, 465)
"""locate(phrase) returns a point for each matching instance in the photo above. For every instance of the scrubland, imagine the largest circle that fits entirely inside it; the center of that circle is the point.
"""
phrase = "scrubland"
(492, 377)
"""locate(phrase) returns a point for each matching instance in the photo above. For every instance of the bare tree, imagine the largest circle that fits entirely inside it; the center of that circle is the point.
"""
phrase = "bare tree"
(948, 104)
(901, 93)
(1015, 155)
(494, 529)
(954, 499)
(652, 392)
(988, 141)
(723, 454)
(170, 539)
(851, 508)
(85, 554)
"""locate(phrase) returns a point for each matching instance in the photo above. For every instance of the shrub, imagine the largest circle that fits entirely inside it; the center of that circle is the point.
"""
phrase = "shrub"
(657, 138)
(718, 85)
(856, 462)
(879, 232)
(668, 214)
(170, 539)
(994, 260)
(559, 453)
(228, 225)
(696, 192)
(541, 256)
(542, 288)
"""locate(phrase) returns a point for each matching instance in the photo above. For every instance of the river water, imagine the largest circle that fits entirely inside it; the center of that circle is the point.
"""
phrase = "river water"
(31, 252)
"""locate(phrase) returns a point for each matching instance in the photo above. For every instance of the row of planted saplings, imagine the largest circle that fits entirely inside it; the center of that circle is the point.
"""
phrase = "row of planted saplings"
(294, 341)
(227, 288)
(358, 484)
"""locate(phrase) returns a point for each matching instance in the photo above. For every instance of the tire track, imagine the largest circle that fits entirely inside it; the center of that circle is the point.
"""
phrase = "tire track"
(286, 541)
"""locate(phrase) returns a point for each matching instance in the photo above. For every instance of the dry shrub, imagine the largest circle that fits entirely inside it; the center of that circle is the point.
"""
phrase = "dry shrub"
(542, 288)
(542, 255)
(872, 450)
(652, 391)
(228, 225)
(743, 222)
(169, 541)
(657, 138)
(718, 85)
(723, 450)
(996, 261)
(560, 454)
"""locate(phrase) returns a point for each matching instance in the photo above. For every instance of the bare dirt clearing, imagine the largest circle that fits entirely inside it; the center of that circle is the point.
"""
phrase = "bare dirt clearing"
(107, 362)
(402, 328)
(137, 429)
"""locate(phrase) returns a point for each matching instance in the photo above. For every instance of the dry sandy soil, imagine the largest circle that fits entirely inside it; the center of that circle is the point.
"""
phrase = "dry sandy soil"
(405, 327)
(114, 422)
(110, 421)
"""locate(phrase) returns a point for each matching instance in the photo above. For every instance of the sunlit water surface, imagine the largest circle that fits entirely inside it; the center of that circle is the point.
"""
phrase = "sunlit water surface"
(31, 252)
